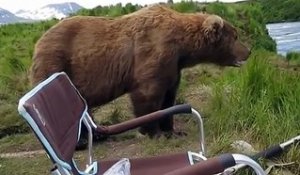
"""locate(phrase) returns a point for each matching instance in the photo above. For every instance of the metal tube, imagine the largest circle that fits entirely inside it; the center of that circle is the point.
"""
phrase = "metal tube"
(291, 141)
(55, 172)
(201, 128)
(90, 140)
(58, 170)
(242, 159)
(91, 122)
(282, 145)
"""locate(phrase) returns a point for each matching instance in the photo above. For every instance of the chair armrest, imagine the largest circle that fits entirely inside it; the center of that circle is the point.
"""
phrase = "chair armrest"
(208, 167)
(137, 122)
(217, 165)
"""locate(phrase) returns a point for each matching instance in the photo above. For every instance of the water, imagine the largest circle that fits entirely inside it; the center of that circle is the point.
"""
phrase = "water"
(286, 35)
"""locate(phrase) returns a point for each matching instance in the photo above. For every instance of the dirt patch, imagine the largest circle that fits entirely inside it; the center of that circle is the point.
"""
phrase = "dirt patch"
(22, 154)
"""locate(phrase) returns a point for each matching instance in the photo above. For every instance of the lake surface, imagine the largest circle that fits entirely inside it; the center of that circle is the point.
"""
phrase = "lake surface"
(286, 35)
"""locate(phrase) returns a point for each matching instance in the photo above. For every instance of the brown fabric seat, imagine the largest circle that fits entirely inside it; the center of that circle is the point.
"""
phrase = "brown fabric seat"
(57, 111)
(151, 165)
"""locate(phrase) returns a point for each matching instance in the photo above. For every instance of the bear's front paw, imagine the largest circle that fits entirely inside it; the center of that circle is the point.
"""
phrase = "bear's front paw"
(175, 134)
(151, 130)
(98, 137)
(81, 144)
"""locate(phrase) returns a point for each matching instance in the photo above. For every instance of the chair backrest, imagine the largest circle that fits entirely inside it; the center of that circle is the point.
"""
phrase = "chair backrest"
(54, 109)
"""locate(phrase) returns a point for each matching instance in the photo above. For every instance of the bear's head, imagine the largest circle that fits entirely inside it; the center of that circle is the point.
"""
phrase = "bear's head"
(221, 42)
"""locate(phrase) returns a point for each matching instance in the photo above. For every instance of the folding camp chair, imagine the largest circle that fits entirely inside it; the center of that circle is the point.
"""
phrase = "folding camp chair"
(55, 111)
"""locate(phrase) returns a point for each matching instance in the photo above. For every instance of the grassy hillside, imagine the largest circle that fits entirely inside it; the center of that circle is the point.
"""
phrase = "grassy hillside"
(257, 103)
(278, 10)
(16, 49)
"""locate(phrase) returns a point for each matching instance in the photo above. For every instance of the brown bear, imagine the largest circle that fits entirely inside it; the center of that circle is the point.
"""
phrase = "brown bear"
(141, 53)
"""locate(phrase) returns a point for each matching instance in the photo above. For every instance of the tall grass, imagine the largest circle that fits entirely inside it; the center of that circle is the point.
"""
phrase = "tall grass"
(278, 10)
(260, 99)
(186, 7)
(111, 11)
(258, 103)
(293, 56)
(16, 49)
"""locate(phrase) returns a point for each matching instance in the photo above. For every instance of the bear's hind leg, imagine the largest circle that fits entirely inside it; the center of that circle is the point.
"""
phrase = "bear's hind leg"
(148, 98)
(167, 124)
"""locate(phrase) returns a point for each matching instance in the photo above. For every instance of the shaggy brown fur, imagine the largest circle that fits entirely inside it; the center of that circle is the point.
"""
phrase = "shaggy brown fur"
(141, 53)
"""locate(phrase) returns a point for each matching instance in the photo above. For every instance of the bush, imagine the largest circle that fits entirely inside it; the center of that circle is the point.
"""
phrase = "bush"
(186, 6)
(278, 10)
(293, 56)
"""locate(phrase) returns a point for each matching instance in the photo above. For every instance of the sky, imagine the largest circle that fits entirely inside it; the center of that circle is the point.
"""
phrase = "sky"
(15, 5)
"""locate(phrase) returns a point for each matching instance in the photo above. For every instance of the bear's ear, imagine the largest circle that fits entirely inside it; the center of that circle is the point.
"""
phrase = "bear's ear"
(212, 28)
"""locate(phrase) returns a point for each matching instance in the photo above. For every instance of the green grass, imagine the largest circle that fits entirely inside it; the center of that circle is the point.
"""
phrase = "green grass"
(27, 166)
(259, 98)
(259, 101)
(279, 11)
(19, 142)
(293, 57)
(16, 49)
